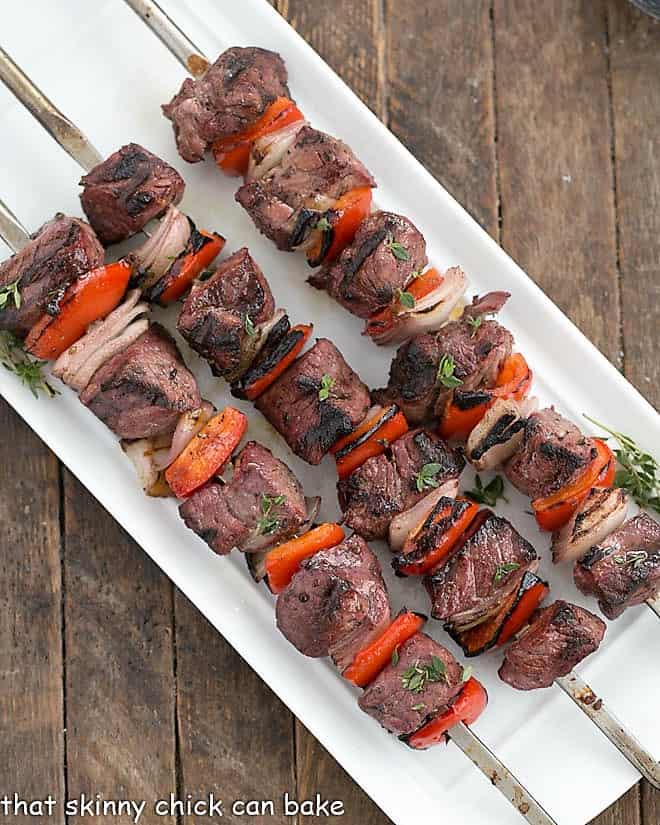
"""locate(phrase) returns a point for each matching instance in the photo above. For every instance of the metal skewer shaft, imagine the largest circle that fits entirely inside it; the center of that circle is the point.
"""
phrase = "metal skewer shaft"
(499, 775)
(654, 604)
(12, 231)
(185, 51)
(594, 707)
(70, 138)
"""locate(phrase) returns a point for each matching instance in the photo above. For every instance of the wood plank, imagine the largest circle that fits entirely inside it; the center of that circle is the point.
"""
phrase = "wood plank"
(440, 86)
(554, 150)
(119, 662)
(625, 811)
(31, 695)
(236, 737)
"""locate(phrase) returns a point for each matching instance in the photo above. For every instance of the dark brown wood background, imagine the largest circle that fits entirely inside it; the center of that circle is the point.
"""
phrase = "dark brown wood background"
(543, 119)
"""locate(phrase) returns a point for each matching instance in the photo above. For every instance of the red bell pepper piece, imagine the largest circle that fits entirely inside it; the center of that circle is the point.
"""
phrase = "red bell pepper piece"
(186, 268)
(90, 297)
(369, 661)
(523, 611)
(464, 525)
(207, 453)
(232, 154)
(467, 707)
(349, 459)
(283, 561)
(299, 335)
(553, 512)
(419, 288)
(513, 381)
(345, 217)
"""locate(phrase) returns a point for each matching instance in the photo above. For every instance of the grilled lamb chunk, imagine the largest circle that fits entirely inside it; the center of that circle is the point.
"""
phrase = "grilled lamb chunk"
(213, 316)
(315, 171)
(59, 252)
(336, 603)
(392, 702)
(124, 192)
(248, 512)
(229, 98)
(623, 569)
(553, 453)
(385, 486)
(142, 391)
(371, 270)
(558, 637)
(477, 354)
(471, 585)
(311, 425)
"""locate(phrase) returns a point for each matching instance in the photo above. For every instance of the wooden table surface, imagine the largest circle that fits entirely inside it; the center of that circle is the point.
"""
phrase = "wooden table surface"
(543, 119)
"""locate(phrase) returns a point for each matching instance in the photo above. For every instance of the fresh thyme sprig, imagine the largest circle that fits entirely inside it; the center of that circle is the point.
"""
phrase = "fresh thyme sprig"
(490, 494)
(503, 570)
(639, 472)
(426, 477)
(30, 371)
(633, 558)
(10, 293)
(415, 677)
(325, 389)
(406, 299)
(397, 249)
(446, 369)
(268, 523)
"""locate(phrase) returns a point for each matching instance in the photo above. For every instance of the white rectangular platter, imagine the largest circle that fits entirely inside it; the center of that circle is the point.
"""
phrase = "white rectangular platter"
(102, 66)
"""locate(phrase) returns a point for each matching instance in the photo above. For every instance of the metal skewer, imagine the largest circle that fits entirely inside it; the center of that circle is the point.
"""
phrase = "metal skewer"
(67, 134)
(654, 604)
(594, 707)
(12, 231)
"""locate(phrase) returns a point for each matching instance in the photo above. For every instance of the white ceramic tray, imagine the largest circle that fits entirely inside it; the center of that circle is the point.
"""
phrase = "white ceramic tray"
(103, 67)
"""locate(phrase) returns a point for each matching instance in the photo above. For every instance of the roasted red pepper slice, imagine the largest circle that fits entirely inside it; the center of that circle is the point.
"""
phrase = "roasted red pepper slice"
(467, 707)
(419, 288)
(277, 362)
(232, 154)
(461, 519)
(207, 453)
(513, 381)
(283, 561)
(554, 511)
(514, 614)
(90, 297)
(203, 248)
(344, 218)
(371, 438)
(369, 661)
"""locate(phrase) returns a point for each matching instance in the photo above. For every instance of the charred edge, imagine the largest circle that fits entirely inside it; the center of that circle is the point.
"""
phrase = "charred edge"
(302, 226)
(353, 264)
(271, 360)
(505, 427)
(327, 237)
(468, 399)
(384, 418)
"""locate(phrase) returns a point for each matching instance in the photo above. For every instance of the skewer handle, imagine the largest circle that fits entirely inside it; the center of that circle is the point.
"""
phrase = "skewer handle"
(500, 776)
(654, 604)
(70, 138)
(596, 710)
(185, 51)
(12, 231)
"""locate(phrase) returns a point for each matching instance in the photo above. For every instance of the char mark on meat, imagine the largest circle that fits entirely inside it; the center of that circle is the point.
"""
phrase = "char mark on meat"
(229, 98)
(413, 379)
(336, 603)
(559, 637)
(59, 252)
(314, 172)
(312, 421)
(623, 569)
(127, 190)
(385, 253)
(142, 390)
(213, 319)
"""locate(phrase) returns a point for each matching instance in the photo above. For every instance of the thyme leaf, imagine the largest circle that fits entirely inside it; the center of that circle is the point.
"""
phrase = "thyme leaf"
(9, 293)
(445, 375)
(490, 494)
(29, 370)
(325, 390)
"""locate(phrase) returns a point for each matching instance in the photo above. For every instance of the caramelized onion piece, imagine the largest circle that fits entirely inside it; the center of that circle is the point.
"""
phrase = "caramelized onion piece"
(602, 512)
(405, 522)
(267, 151)
(157, 253)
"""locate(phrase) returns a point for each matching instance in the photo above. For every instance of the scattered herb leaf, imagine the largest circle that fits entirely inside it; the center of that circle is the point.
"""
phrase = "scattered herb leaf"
(445, 375)
(398, 250)
(30, 371)
(490, 494)
(249, 326)
(327, 383)
(415, 677)
(503, 570)
(268, 523)
(406, 299)
(639, 472)
(426, 477)
(633, 558)
(474, 322)
(467, 673)
(323, 224)
(395, 656)
(10, 293)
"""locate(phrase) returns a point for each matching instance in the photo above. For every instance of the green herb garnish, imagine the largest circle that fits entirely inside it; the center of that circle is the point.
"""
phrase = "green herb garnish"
(426, 477)
(327, 383)
(249, 326)
(467, 673)
(490, 494)
(10, 292)
(639, 471)
(14, 358)
(503, 570)
(398, 250)
(323, 224)
(474, 322)
(268, 524)
(445, 375)
(633, 558)
(415, 677)
(395, 656)
(405, 299)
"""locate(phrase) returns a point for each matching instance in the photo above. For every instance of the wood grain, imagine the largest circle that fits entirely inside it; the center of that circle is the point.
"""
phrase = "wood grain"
(31, 693)
(119, 662)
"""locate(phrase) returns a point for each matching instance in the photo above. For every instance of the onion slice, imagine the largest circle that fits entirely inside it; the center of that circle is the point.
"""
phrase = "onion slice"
(157, 253)
(188, 425)
(404, 523)
(267, 151)
(602, 512)
(141, 454)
